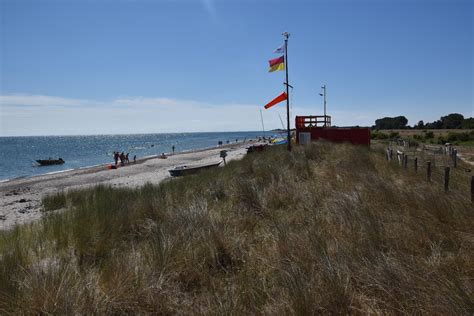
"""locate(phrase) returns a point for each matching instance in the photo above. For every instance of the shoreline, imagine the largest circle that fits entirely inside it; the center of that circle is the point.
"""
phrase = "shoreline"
(20, 198)
(139, 160)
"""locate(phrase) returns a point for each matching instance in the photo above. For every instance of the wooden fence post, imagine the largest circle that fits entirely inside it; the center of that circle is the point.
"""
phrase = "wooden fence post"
(405, 161)
(391, 153)
(455, 158)
(428, 171)
(416, 164)
(446, 179)
(472, 189)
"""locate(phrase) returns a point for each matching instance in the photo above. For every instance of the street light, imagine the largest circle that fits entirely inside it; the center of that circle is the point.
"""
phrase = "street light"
(323, 94)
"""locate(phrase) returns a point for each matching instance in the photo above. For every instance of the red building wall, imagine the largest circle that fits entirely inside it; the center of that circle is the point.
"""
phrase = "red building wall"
(354, 135)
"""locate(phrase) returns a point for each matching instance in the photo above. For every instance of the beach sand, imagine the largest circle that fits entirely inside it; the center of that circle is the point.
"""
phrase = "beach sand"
(20, 199)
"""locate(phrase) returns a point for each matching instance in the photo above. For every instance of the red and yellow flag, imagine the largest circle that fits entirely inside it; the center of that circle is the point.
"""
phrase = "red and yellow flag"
(277, 64)
(278, 99)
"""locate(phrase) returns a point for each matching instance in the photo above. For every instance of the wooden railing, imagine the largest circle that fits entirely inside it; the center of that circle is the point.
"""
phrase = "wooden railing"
(313, 121)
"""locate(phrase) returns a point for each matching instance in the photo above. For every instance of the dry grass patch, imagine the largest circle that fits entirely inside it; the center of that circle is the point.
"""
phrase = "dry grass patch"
(324, 229)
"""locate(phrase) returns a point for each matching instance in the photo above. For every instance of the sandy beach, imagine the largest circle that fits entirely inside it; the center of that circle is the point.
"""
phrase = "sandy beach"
(20, 199)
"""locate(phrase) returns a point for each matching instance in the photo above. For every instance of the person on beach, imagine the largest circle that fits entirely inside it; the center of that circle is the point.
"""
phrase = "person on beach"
(116, 157)
(134, 158)
(172, 147)
(122, 159)
(126, 158)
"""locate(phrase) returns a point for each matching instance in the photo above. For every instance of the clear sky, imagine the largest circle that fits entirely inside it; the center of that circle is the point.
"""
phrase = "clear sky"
(138, 66)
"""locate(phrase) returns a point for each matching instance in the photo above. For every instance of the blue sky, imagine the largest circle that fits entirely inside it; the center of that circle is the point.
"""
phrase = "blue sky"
(85, 67)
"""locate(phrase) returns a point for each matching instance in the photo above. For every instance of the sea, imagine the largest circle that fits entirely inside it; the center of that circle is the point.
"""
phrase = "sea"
(18, 155)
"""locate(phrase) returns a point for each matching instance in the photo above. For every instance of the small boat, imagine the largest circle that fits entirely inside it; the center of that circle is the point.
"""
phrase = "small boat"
(49, 162)
(187, 170)
(279, 141)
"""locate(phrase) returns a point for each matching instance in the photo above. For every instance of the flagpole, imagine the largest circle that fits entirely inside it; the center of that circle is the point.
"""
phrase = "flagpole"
(286, 35)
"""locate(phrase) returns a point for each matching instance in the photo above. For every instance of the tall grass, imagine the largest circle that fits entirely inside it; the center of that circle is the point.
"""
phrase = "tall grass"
(323, 229)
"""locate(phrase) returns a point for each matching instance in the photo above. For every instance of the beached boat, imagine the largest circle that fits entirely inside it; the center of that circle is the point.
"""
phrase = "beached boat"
(49, 162)
(279, 141)
(187, 170)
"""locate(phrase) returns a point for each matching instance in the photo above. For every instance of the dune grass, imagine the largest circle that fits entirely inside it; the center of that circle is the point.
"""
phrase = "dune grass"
(324, 229)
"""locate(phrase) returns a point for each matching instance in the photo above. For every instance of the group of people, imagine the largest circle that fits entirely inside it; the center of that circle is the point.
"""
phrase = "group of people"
(220, 143)
(123, 158)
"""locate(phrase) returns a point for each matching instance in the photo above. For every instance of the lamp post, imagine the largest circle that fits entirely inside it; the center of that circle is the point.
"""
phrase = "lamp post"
(323, 94)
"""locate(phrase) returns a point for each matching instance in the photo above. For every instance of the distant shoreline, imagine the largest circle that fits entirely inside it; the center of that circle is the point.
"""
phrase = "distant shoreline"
(125, 134)
(19, 154)
(20, 198)
(94, 168)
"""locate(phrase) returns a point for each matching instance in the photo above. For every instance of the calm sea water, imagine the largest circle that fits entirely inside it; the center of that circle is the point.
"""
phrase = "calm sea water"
(18, 154)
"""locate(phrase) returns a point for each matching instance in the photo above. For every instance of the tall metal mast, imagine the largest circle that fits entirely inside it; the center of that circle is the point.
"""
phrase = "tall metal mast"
(324, 95)
(325, 120)
(286, 35)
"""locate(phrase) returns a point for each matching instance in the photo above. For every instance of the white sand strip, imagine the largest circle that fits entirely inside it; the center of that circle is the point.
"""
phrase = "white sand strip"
(20, 199)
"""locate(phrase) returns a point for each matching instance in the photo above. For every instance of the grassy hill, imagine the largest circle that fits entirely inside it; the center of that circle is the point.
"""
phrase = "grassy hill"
(324, 229)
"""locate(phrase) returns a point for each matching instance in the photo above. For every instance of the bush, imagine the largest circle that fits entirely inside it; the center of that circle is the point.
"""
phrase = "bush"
(378, 135)
(413, 142)
(429, 135)
(394, 135)
(462, 137)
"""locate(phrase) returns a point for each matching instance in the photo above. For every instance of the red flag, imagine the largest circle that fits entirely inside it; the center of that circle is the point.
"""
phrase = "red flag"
(276, 61)
(277, 64)
(282, 97)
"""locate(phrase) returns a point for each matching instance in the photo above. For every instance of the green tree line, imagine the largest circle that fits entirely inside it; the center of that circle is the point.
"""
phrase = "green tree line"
(450, 121)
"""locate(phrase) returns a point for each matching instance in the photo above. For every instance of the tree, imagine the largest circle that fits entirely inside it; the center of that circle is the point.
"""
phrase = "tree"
(468, 123)
(434, 125)
(420, 125)
(399, 122)
(452, 121)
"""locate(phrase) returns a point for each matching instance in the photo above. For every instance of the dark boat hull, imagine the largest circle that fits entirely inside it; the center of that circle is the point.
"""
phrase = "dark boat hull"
(49, 162)
(188, 170)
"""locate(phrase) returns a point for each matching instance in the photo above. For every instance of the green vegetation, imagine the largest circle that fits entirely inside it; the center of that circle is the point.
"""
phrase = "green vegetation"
(327, 228)
(382, 135)
(378, 135)
(393, 135)
(54, 202)
(429, 135)
(456, 138)
(450, 121)
(399, 122)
